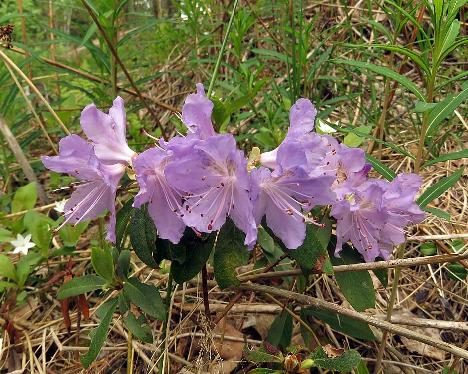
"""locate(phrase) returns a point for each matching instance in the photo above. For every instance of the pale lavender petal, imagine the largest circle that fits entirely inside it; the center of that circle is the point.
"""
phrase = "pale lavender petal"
(76, 157)
(164, 202)
(89, 201)
(301, 118)
(290, 228)
(161, 209)
(196, 113)
(107, 132)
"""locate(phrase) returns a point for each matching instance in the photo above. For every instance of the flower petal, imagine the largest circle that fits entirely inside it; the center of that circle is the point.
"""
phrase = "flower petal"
(107, 132)
(196, 113)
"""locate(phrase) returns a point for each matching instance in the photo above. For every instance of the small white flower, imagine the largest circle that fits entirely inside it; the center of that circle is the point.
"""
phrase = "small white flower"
(60, 206)
(324, 128)
(22, 244)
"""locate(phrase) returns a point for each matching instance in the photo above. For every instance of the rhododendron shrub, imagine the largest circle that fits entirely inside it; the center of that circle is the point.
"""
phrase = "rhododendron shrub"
(197, 193)
(200, 179)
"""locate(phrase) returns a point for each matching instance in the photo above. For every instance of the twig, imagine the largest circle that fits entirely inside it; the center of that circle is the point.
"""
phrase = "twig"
(21, 158)
(97, 79)
(31, 108)
(124, 69)
(206, 301)
(438, 237)
(384, 325)
(409, 262)
(390, 304)
(8, 61)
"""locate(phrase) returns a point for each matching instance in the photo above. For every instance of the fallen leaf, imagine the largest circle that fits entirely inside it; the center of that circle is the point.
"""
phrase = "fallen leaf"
(418, 347)
(228, 349)
(332, 352)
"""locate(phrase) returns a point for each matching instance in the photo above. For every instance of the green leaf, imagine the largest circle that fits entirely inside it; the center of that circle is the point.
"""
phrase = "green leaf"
(146, 297)
(353, 140)
(382, 276)
(386, 72)
(138, 327)
(6, 235)
(356, 286)
(444, 109)
(421, 107)
(450, 36)
(449, 156)
(124, 216)
(417, 59)
(456, 272)
(260, 355)
(81, 285)
(343, 324)
(6, 285)
(25, 266)
(361, 368)
(40, 226)
(143, 237)
(25, 198)
(99, 335)
(71, 234)
(7, 269)
(343, 363)
(311, 254)
(380, 168)
(280, 332)
(123, 264)
(270, 53)
(438, 213)
(428, 249)
(198, 251)
(434, 191)
(230, 252)
(103, 262)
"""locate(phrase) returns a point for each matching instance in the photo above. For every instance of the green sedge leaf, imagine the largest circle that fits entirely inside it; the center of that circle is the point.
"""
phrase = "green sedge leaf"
(449, 156)
(434, 191)
(380, 168)
(386, 72)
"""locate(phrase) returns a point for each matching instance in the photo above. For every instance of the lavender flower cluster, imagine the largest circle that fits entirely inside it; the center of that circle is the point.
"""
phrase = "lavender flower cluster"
(200, 179)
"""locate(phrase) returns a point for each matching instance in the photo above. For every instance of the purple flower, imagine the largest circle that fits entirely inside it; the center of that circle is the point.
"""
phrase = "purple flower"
(107, 132)
(285, 198)
(373, 215)
(100, 164)
(399, 201)
(97, 194)
(164, 202)
(215, 184)
(360, 219)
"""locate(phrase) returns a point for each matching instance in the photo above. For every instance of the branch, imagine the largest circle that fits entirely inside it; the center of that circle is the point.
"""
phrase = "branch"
(409, 262)
(384, 325)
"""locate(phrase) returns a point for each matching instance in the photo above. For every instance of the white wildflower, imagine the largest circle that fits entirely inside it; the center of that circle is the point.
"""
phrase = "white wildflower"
(22, 244)
(60, 206)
